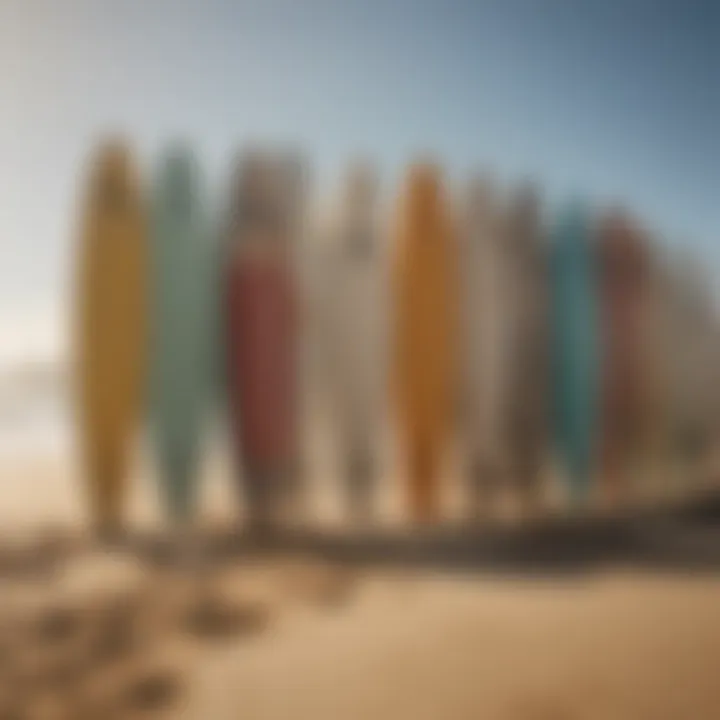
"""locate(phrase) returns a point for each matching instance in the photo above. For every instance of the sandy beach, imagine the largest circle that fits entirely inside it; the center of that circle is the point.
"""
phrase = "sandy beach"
(612, 643)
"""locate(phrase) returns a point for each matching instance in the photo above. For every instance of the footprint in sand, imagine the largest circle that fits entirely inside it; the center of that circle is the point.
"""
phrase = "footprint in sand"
(115, 632)
(56, 672)
(8, 559)
(39, 558)
(50, 656)
(324, 586)
(54, 546)
(67, 646)
(17, 558)
(151, 692)
(216, 618)
(59, 625)
(137, 694)
(337, 590)
(110, 645)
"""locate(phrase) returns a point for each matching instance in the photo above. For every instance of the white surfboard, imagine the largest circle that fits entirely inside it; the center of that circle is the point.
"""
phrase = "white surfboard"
(352, 315)
(485, 331)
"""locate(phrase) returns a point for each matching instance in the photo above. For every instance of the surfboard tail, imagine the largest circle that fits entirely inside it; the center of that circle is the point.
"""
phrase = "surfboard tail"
(105, 473)
(179, 482)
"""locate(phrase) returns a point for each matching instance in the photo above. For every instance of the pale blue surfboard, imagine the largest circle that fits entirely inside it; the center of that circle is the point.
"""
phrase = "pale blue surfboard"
(183, 328)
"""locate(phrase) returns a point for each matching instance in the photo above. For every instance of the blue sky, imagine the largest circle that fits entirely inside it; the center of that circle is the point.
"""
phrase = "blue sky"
(615, 99)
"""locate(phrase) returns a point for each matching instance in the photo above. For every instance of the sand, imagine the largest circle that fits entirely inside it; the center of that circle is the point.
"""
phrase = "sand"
(612, 647)
(378, 643)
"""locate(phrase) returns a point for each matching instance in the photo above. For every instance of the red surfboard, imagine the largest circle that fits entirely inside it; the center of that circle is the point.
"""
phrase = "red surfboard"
(624, 293)
(262, 338)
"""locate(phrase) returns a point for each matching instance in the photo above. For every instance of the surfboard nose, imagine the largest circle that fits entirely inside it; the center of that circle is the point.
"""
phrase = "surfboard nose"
(361, 187)
(178, 172)
(525, 208)
(576, 225)
(112, 160)
(424, 180)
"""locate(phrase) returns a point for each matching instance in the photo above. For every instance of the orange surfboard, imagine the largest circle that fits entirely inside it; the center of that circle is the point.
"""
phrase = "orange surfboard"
(110, 337)
(425, 340)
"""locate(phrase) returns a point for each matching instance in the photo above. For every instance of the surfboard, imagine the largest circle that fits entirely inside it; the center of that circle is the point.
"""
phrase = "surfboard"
(623, 278)
(352, 335)
(692, 364)
(528, 362)
(182, 332)
(658, 352)
(576, 358)
(485, 341)
(262, 329)
(425, 335)
(110, 342)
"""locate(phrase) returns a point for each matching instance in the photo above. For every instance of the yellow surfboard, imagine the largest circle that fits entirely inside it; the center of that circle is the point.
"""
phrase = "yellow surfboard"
(425, 357)
(110, 336)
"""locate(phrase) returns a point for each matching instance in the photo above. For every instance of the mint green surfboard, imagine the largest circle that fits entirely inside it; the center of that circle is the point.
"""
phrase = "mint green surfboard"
(576, 346)
(183, 328)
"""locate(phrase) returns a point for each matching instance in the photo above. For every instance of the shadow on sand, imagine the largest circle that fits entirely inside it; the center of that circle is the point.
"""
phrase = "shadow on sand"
(684, 537)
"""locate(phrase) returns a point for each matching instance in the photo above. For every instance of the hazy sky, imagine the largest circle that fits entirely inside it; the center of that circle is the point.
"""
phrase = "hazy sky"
(612, 98)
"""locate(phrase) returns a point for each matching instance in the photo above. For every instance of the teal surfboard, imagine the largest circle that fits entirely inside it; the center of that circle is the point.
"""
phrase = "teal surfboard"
(576, 347)
(183, 328)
